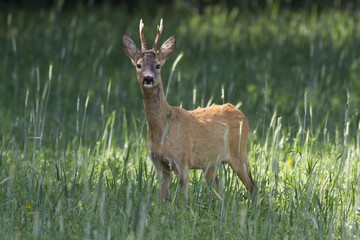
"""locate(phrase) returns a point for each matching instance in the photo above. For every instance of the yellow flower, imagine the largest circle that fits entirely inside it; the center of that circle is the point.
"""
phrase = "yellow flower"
(28, 206)
(99, 166)
(79, 204)
(290, 159)
(19, 234)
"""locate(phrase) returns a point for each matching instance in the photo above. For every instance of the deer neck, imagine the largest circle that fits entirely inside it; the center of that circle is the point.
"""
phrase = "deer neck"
(157, 109)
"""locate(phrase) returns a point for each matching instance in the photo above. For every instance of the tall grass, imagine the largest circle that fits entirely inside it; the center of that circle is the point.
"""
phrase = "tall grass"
(73, 160)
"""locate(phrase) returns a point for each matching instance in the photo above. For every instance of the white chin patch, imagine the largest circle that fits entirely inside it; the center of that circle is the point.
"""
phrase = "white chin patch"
(148, 85)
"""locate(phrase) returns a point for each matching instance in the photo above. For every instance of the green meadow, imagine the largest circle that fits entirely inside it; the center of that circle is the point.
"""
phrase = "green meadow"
(73, 161)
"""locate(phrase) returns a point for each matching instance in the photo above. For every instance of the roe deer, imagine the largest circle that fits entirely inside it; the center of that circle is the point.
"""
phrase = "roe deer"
(179, 140)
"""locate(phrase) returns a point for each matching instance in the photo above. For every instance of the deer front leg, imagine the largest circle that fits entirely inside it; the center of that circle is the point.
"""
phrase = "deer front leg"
(209, 176)
(183, 175)
(165, 181)
(163, 174)
(184, 179)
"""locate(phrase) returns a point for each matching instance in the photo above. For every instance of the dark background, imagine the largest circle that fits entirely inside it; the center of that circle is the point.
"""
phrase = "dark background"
(134, 5)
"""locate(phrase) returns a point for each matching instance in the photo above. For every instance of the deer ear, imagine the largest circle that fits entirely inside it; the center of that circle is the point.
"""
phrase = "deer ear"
(167, 48)
(130, 48)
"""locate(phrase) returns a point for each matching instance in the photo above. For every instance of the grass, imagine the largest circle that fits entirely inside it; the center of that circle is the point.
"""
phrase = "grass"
(73, 158)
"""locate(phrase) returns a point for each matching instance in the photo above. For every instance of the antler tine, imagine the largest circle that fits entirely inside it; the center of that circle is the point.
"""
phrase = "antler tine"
(142, 37)
(158, 35)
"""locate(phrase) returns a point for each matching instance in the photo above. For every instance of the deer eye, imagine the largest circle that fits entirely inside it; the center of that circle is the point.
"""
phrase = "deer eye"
(157, 66)
(138, 66)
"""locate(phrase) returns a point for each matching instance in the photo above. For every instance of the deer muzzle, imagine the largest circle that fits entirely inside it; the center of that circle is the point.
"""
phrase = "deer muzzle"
(148, 81)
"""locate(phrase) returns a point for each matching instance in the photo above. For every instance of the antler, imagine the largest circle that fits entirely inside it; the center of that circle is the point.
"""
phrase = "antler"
(158, 35)
(142, 37)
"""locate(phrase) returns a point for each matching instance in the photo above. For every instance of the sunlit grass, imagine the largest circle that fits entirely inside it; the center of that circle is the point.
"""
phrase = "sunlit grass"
(73, 161)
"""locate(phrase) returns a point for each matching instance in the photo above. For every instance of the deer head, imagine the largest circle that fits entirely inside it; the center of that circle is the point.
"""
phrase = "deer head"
(148, 62)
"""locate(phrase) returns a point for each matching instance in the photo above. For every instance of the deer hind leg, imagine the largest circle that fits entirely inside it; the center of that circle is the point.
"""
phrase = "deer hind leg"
(241, 168)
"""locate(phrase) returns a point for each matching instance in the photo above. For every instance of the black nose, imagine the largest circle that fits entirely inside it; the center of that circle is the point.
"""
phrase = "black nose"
(148, 80)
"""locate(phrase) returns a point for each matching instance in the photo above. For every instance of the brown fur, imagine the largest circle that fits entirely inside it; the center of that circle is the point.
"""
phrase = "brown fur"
(179, 140)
